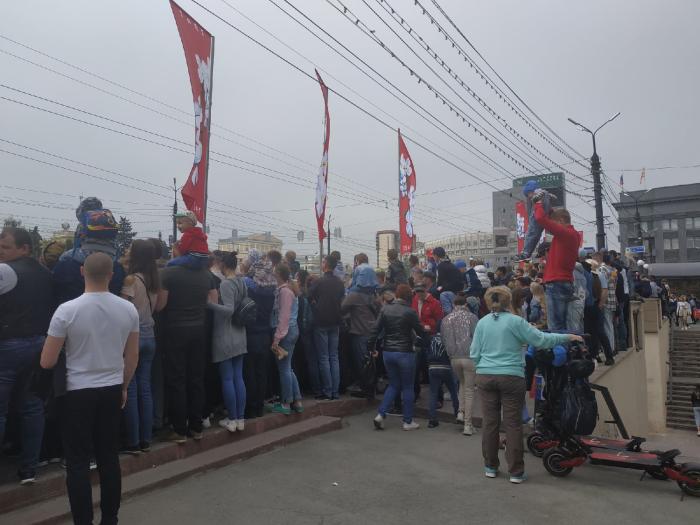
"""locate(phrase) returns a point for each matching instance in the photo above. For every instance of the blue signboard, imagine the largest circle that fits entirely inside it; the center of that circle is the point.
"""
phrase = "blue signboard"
(635, 249)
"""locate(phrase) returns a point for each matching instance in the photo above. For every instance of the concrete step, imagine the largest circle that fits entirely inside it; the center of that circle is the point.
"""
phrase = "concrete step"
(51, 480)
(680, 426)
(55, 510)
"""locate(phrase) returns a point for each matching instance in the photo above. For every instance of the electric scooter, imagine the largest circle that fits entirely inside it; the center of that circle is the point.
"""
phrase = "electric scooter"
(572, 452)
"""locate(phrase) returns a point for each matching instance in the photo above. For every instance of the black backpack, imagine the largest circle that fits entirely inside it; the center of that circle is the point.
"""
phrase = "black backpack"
(247, 311)
(579, 409)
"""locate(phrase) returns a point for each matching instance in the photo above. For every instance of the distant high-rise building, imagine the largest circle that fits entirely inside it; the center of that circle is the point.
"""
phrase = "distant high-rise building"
(386, 240)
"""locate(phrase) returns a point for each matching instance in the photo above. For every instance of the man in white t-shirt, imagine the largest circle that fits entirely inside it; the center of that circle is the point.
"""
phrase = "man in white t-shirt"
(101, 336)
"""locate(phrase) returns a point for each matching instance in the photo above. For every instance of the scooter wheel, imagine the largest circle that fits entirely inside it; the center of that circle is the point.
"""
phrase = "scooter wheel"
(534, 441)
(552, 462)
(691, 490)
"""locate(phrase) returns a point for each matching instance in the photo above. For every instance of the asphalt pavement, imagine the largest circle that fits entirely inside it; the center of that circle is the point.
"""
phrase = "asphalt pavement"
(434, 476)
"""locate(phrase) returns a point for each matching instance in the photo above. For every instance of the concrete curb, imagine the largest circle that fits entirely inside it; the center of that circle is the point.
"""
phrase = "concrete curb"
(55, 510)
(51, 482)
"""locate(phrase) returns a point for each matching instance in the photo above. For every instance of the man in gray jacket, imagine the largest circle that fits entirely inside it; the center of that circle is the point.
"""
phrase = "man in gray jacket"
(360, 309)
(457, 330)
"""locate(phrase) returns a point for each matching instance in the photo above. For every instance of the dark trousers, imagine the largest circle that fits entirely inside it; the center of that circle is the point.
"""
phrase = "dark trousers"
(255, 371)
(91, 426)
(502, 394)
(184, 365)
(360, 355)
(437, 377)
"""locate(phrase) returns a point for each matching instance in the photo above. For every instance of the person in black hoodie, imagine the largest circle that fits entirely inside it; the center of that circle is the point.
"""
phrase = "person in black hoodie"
(396, 273)
(450, 280)
(326, 295)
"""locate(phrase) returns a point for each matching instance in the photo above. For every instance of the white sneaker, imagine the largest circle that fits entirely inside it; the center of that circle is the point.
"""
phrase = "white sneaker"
(379, 422)
(206, 422)
(411, 426)
(468, 430)
(460, 417)
(240, 424)
(228, 424)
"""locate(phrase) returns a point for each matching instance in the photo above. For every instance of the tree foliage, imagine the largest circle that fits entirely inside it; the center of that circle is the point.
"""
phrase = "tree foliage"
(125, 235)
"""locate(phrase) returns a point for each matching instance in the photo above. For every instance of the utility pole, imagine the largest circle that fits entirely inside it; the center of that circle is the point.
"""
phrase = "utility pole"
(597, 186)
(174, 240)
(598, 196)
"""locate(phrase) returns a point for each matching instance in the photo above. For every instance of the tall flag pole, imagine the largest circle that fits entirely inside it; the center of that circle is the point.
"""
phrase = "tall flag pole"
(322, 182)
(407, 193)
(198, 45)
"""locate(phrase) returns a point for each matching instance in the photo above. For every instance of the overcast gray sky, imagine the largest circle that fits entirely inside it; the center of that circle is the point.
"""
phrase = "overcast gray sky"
(586, 60)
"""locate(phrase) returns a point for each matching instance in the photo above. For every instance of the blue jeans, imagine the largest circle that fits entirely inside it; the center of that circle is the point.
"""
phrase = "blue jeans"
(17, 359)
(559, 295)
(139, 401)
(447, 300)
(696, 413)
(312, 362)
(232, 386)
(401, 369)
(326, 340)
(438, 377)
(289, 386)
(534, 230)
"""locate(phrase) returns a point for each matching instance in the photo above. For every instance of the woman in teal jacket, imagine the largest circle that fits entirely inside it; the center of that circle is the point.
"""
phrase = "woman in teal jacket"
(497, 351)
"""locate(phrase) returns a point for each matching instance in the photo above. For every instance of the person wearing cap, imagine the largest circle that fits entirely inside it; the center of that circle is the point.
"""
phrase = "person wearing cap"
(559, 270)
(97, 233)
(534, 229)
(192, 248)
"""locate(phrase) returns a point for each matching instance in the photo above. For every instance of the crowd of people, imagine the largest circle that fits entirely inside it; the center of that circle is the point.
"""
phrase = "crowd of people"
(99, 350)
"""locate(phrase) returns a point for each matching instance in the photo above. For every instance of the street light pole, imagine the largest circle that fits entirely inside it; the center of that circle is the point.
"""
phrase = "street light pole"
(597, 185)
(637, 216)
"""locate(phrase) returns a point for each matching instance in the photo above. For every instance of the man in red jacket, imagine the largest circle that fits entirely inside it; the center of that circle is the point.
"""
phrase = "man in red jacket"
(559, 270)
(428, 308)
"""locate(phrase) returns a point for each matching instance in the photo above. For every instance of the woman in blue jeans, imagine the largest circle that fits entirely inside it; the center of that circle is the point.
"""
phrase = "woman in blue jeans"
(229, 342)
(398, 321)
(141, 288)
(284, 321)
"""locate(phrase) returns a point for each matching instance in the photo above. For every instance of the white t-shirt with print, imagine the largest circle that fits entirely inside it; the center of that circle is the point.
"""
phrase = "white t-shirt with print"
(96, 327)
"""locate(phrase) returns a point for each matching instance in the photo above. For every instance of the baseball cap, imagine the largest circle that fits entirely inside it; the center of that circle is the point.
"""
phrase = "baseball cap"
(460, 263)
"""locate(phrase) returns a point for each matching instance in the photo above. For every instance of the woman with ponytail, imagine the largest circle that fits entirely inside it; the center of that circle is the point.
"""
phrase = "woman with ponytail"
(500, 377)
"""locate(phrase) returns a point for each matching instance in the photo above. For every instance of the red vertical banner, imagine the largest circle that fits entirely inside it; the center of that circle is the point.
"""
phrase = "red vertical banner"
(199, 55)
(322, 182)
(521, 224)
(407, 192)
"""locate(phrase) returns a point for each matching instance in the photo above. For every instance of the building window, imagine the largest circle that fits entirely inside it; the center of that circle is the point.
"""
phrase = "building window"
(671, 243)
(692, 223)
(692, 242)
(669, 224)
